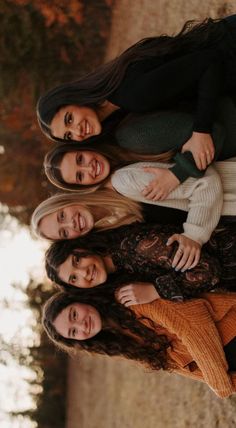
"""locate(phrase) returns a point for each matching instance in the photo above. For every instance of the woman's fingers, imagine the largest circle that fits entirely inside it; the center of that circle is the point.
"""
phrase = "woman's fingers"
(126, 296)
(196, 259)
(188, 253)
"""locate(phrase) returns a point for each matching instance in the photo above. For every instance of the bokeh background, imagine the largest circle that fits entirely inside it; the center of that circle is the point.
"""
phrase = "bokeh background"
(44, 43)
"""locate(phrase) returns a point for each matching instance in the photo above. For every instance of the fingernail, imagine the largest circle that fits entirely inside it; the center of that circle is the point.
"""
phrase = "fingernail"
(176, 269)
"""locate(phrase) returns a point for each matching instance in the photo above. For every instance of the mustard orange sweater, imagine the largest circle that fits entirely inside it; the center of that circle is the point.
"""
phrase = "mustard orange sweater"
(198, 330)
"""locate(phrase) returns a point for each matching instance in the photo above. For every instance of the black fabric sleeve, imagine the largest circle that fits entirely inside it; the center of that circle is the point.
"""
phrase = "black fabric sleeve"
(209, 88)
(186, 285)
(197, 73)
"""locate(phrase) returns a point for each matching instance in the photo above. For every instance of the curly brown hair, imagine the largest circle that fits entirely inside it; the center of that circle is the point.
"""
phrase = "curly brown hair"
(123, 334)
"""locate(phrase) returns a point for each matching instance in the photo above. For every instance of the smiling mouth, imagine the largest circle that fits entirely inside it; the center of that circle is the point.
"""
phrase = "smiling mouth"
(98, 168)
(85, 129)
(81, 222)
(94, 273)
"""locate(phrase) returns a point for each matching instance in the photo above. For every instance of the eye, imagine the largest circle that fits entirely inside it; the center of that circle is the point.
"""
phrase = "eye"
(79, 158)
(73, 332)
(79, 177)
(74, 315)
(68, 136)
(75, 260)
(68, 118)
(65, 233)
(61, 215)
(72, 279)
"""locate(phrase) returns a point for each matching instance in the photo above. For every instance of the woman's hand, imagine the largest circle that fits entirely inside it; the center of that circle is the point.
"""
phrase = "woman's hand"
(202, 148)
(136, 293)
(160, 187)
(188, 254)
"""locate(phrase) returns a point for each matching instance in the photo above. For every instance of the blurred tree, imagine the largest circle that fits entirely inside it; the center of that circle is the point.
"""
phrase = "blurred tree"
(42, 44)
(48, 385)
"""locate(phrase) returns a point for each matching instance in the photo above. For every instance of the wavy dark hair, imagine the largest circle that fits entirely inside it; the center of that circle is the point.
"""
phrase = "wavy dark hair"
(94, 88)
(122, 335)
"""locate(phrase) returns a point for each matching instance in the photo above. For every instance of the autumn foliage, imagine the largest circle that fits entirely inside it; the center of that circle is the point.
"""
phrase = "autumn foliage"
(42, 44)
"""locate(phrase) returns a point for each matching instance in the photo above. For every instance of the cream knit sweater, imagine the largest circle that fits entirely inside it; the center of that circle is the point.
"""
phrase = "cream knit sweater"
(205, 199)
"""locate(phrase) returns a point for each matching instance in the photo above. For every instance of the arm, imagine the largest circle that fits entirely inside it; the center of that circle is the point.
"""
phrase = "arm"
(194, 326)
(198, 73)
(202, 198)
(158, 84)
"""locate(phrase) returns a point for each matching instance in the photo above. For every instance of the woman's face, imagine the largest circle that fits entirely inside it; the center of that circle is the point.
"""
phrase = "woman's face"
(84, 167)
(75, 123)
(78, 321)
(67, 223)
(83, 272)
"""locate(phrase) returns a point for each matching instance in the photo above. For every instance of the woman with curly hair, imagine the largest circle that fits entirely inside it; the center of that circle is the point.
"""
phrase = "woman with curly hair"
(194, 338)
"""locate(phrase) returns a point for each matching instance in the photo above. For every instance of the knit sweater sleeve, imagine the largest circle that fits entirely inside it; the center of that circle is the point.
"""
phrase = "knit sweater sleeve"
(193, 324)
(202, 198)
(162, 131)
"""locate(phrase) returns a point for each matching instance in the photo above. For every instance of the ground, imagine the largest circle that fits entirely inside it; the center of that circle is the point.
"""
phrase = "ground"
(105, 393)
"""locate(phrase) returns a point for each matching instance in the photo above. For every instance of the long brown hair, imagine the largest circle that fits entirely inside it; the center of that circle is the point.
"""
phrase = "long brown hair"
(122, 334)
(94, 88)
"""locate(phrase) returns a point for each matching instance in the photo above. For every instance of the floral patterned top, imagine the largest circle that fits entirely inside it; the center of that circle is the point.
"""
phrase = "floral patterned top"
(141, 250)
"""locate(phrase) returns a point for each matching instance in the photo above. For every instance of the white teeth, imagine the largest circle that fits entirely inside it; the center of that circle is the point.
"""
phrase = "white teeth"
(81, 222)
(87, 128)
(93, 273)
(98, 168)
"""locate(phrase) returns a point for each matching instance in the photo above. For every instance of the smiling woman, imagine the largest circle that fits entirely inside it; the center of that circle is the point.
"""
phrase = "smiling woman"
(84, 167)
(67, 223)
(76, 123)
(78, 321)
(84, 270)
(68, 215)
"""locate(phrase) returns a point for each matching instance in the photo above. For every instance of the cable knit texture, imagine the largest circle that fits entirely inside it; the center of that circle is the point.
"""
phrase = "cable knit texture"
(198, 330)
(202, 198)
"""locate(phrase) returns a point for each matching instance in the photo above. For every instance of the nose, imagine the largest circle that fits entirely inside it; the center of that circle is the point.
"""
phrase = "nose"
(77, 128)
(84, 273)
(71, 223)
(87, 169)
(82, 325)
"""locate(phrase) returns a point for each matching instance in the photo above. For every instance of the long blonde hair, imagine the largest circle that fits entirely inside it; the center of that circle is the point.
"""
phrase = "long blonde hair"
(120, 210)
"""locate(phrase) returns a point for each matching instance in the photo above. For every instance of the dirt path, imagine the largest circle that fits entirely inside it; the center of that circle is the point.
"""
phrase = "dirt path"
(105, 393)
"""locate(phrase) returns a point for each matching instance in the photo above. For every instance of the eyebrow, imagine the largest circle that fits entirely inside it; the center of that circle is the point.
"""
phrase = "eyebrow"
(69, 319)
